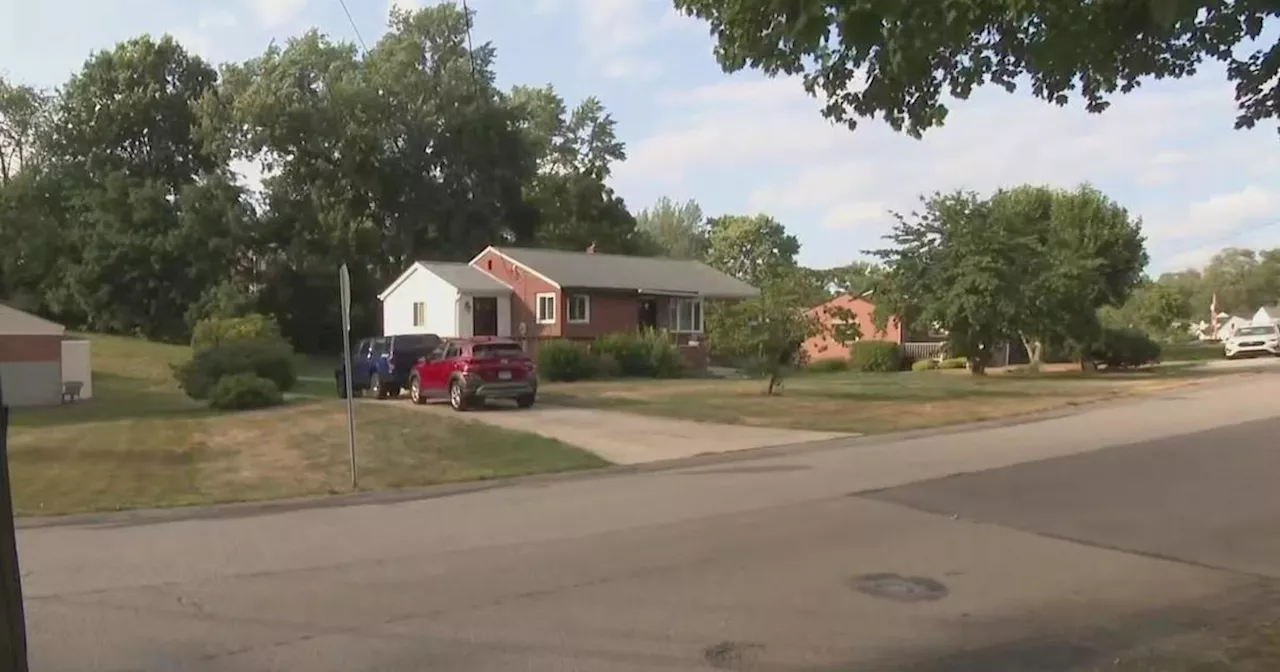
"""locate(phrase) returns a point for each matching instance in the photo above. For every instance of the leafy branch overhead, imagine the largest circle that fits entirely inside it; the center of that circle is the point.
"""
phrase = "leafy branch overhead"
(897, 59)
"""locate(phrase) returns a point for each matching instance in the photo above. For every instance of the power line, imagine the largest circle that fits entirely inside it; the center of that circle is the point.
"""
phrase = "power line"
(354, 28)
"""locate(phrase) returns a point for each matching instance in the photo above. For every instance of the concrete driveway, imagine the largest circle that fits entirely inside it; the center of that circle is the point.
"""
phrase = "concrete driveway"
(628, 438)
(1041, 547)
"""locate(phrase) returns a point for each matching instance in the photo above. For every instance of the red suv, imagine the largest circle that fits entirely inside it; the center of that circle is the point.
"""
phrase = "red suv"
(469, 371)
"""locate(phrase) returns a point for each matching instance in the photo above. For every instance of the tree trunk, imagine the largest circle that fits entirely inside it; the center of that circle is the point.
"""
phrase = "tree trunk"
(773, 383)
(1035, 352)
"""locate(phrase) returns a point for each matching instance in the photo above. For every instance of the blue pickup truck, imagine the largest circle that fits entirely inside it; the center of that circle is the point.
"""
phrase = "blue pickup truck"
(382, 365)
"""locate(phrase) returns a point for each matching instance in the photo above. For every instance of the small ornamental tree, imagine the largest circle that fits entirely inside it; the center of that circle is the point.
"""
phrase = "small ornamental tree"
(766, 331)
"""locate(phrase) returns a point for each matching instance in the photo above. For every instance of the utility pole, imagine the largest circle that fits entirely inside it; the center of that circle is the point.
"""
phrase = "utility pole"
(13, 625)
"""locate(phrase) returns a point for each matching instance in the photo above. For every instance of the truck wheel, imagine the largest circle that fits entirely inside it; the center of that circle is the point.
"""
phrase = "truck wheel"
(375, 387)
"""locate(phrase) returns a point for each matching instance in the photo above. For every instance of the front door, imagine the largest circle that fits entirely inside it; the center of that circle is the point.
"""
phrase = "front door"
(648, 318)
(484, 316)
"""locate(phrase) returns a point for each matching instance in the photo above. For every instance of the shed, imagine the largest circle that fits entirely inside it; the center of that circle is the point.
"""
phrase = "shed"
(447, 299)
(30, 358)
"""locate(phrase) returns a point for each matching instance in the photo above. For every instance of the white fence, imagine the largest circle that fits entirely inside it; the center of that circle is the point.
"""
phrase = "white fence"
(77, 366)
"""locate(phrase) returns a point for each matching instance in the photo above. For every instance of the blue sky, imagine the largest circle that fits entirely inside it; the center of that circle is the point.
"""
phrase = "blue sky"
(745, 144)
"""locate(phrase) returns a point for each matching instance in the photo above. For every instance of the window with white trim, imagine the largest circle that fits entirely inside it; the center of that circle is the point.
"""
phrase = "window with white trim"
(545, 308)
(579, 308)
(685, 316)
(419, 313)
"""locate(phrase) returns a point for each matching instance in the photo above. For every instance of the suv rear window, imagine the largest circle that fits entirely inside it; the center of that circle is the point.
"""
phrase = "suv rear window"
(417, 343)
(496, 350)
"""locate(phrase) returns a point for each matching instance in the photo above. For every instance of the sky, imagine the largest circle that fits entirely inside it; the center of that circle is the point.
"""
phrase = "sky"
(746, 144)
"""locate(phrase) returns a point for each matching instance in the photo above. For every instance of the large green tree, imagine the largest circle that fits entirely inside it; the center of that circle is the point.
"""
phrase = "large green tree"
(752, 249)
(1086, 253)
(896, 59)
(146, 214)
(23, 116)
(953, 265)
(575, 152)
(675, 230)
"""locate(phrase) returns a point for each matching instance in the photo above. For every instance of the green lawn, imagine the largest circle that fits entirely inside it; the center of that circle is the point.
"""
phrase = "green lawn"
(866, 403)
(141, 443)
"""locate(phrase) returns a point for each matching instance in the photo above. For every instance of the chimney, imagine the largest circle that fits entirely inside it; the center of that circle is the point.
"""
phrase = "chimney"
(591, 249)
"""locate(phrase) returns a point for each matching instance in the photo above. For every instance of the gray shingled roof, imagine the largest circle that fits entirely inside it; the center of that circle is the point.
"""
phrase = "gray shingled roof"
(620, 272)
(464, 276)
(14, 322)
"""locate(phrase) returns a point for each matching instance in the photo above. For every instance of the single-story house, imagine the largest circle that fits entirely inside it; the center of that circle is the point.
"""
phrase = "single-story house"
(1227, 326)
(862, 312)
(533, 294)
(30, 358)
(1267, 315)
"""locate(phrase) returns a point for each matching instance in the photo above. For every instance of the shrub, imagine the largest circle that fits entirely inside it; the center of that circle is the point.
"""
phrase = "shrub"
(953, 363)
(606, 366)
(875, 356)
(648, 354)
(263, 357)
(924, 365)
(1125, 348)
(243, 391)
(628, 352)
(828, 365)
(564, 361)
(212, 331)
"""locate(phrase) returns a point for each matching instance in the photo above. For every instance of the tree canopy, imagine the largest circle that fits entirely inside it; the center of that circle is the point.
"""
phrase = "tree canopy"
(897, 59)
(121, 209)
(1029, 263)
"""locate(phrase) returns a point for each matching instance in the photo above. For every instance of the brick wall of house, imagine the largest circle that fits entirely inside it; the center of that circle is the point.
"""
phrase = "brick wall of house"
(525, 285)
(823, 347)
(21, 348)
(611, 312)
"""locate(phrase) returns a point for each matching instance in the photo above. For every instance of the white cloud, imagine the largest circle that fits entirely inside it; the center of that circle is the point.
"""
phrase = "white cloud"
(405, 5)
(276, 13)
(203, 38)
(768, 138)
(615, 33)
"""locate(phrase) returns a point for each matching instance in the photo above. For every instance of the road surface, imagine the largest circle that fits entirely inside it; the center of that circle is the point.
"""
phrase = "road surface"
(1031, 547)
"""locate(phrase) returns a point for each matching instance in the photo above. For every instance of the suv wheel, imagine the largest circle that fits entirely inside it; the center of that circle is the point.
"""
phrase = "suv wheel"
(525, 400)
(415, 391)
(457, 399)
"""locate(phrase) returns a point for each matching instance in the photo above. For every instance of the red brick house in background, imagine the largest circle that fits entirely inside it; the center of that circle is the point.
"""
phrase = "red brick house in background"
(862, 310)
(534, 294)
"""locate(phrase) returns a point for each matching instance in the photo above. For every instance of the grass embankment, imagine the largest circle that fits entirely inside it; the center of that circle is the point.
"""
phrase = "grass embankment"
(141, 443)
(867, 403)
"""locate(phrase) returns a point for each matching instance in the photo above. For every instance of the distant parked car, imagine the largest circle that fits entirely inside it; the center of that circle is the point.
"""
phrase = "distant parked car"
(470, 371)
(1255, 340)
(382, 365)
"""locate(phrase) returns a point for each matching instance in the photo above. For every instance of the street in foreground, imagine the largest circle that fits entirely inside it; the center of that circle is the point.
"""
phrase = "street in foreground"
(1051, 545)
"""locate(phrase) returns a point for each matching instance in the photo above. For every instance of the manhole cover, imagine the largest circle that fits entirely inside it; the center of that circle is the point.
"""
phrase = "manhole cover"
(900, 588)
(732, 655)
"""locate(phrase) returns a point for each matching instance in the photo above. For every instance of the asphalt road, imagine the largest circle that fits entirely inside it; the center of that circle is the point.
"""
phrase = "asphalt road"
(1034, 547)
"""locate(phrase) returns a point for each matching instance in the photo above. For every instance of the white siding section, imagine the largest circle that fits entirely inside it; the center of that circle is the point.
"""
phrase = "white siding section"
(77, 366)
(440, 297)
